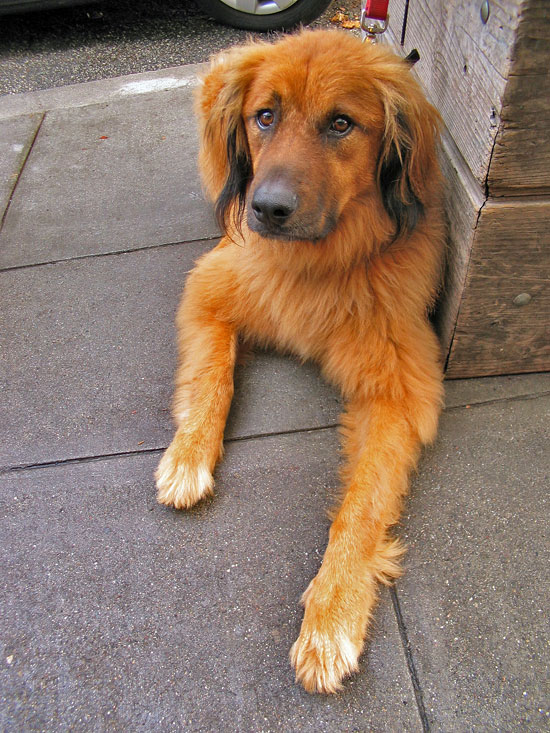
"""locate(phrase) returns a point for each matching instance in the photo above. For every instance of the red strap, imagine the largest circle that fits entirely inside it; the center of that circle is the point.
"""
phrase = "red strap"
(377, 9)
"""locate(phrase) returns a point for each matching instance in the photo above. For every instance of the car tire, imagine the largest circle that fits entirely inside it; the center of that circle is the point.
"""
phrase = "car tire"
(302, 11)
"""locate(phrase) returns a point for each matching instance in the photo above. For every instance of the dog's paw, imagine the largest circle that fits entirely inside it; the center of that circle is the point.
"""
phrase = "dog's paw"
(331, 638)
(323, 657)
(180, 483)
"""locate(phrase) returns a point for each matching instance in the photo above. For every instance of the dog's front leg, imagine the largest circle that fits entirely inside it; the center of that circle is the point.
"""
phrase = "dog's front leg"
(204, 389)
(382, 442)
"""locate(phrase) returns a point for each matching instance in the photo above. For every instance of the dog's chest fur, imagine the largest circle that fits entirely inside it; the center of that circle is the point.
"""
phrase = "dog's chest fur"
(303, 311)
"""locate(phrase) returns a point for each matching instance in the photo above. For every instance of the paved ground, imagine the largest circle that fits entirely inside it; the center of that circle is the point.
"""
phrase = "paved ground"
(51, 48)
(120, 614)
(47, 49)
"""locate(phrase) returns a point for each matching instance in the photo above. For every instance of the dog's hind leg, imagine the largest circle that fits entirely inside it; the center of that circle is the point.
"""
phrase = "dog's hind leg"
(383, 440)
(204, 389)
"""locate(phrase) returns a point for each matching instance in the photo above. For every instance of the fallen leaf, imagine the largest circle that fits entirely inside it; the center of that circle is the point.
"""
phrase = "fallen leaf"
(345, 21)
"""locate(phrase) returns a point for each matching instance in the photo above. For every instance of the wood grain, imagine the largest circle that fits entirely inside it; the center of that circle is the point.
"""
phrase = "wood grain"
(521, 159)
(510, 256)
(464, 66)
(464, 199)
(492, 85)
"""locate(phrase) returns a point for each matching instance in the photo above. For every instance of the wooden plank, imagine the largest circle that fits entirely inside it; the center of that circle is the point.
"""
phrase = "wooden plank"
(464, 199)
(493, 91)
(464, 66)
(510, 258)
(521, 158)
(530, 53)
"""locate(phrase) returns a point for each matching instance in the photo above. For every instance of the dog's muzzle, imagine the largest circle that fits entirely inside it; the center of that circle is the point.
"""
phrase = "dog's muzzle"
(273, 204)
(275, 211)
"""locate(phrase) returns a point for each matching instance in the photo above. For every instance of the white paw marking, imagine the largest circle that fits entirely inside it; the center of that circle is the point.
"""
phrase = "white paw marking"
(322, 660)
(347, 651)
(180, 485)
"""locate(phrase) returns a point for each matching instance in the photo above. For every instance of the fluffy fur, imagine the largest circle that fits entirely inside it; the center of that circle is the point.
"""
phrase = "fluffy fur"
(320, 155)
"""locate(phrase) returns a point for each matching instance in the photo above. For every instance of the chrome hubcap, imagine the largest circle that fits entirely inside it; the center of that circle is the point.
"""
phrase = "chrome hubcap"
(259, 7)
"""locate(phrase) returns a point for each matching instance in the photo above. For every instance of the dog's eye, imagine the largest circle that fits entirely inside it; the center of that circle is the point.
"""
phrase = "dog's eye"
(341, 125)
(265, 118)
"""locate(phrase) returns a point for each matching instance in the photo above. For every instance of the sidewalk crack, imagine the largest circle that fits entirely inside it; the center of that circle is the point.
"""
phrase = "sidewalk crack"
(148, 451)
(410, 660)
(275, 433)
(21, 169)
(112, 253)
(77, 459)
(498, 400)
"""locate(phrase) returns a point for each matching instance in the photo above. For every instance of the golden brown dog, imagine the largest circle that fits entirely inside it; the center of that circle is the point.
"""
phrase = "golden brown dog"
(319, 152)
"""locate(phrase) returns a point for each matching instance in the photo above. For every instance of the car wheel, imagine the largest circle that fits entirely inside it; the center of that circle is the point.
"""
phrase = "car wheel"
(264, 15)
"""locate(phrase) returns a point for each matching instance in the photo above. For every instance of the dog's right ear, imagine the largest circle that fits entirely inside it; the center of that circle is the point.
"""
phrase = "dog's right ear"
(224, 156)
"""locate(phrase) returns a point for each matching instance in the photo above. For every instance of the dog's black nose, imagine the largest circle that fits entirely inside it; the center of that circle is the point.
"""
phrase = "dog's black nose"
(274, 202)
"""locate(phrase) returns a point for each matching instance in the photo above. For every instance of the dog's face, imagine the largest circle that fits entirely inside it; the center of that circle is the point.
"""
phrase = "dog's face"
(299, 135)
(313, 146)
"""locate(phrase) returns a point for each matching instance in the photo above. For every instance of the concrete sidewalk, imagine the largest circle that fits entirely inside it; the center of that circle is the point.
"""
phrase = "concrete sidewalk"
(120, 614)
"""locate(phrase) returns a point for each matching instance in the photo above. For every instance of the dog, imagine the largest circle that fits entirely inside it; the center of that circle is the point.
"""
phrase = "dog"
(320, 154)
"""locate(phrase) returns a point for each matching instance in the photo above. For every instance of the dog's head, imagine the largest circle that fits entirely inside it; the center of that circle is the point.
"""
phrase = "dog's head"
(299, 135)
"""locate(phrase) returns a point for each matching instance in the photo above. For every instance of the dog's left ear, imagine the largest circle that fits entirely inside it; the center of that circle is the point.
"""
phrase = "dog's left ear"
(407, 166)
(224, 156)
